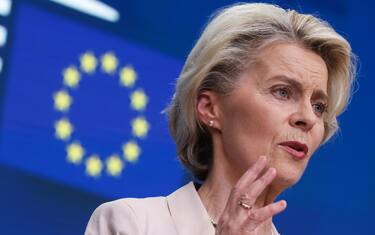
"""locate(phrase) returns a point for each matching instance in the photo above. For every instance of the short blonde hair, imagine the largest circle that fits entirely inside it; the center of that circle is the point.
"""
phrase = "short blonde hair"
(229, 43)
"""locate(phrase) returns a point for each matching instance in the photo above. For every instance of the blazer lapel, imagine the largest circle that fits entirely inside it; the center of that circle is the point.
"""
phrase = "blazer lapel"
(188, 213)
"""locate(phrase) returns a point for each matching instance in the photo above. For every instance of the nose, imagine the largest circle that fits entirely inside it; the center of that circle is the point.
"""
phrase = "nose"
(304, 117)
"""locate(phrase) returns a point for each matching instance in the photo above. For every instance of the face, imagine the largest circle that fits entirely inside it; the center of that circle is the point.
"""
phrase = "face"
(277, 110)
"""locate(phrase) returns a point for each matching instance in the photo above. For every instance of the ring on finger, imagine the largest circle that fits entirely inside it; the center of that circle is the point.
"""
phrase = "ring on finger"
(244, 205)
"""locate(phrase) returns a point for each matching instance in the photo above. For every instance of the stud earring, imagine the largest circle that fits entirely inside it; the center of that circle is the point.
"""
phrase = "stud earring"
(210, 123)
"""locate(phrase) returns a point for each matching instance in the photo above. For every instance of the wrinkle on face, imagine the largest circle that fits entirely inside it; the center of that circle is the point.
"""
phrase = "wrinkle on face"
(309, 72)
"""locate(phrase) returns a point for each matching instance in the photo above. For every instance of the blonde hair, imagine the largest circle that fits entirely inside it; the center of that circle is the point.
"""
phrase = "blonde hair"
(229, 43)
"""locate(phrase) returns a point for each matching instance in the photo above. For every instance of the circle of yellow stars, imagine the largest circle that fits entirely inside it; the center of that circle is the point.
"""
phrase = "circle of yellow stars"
(76, 153)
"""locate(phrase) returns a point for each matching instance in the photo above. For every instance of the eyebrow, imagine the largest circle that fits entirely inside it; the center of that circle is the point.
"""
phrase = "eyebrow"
(293, 82)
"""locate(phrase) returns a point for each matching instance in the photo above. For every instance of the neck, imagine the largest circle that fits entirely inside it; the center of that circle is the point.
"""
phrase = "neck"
(216, 189)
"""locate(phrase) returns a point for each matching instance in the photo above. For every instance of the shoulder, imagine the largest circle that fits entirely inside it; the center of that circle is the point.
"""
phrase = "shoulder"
(127, 216)
(115, 217)
(152, 215)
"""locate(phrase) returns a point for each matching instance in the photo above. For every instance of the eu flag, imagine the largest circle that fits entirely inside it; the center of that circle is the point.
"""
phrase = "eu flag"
(83, 107)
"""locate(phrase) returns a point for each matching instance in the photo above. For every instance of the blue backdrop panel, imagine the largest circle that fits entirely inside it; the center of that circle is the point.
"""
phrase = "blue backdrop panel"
(335, 195)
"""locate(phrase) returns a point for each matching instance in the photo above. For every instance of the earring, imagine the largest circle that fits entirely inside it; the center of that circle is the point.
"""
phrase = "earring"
(210, 123)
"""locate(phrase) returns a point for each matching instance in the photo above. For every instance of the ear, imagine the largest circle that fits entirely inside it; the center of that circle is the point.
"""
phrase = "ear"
(208, 109)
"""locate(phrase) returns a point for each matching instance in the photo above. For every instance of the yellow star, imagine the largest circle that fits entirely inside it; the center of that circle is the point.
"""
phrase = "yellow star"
(138, 100)
(71, 77)
(114, 165)
(131, 151)
(128, 76)
(109, 62)
(88, 62)
(62, 100)
(75, 153)
(63, 129)
(140, 127)
(94, 166)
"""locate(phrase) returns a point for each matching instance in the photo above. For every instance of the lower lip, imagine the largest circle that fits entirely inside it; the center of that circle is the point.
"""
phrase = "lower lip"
(296, 154)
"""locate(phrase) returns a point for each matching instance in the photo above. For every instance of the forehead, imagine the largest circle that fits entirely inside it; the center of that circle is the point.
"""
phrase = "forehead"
(293, 61)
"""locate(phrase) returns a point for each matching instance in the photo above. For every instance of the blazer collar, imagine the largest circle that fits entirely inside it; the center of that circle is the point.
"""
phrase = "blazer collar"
(188, 213)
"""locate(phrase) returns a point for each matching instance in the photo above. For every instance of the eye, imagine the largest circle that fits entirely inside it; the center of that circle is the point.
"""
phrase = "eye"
(282, 92)
(320, 108)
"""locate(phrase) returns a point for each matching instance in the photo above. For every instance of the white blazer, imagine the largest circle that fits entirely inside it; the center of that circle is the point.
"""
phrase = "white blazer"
(181, 212)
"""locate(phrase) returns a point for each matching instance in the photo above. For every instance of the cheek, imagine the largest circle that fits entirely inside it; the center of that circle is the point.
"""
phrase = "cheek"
(249, 130)
(317, 136)
(246, 119)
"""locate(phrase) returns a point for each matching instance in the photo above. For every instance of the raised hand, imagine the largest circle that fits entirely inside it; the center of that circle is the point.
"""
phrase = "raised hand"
(240, 216)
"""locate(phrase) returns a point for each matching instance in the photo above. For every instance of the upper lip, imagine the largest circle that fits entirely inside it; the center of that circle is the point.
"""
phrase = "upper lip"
(296, 145)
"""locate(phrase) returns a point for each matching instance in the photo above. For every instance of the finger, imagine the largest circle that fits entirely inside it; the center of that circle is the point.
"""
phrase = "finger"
(264, 213)
(252, 173)
(253, 191)
(258, 216)
(240, 190)
(260, 184)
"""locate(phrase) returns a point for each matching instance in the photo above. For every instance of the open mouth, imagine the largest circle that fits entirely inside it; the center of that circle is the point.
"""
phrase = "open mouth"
(295, 148)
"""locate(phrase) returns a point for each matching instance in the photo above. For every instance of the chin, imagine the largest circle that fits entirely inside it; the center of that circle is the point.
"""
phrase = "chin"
(287, 177)
(285, 182)
(289, 170)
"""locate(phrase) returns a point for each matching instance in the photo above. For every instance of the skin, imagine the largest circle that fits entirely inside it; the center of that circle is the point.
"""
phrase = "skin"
(281, 97)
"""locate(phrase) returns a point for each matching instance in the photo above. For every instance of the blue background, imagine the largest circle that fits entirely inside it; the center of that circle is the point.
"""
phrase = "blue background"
(41, 193)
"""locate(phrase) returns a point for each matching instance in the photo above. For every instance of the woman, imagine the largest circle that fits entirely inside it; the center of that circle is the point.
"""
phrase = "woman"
(259, 93)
